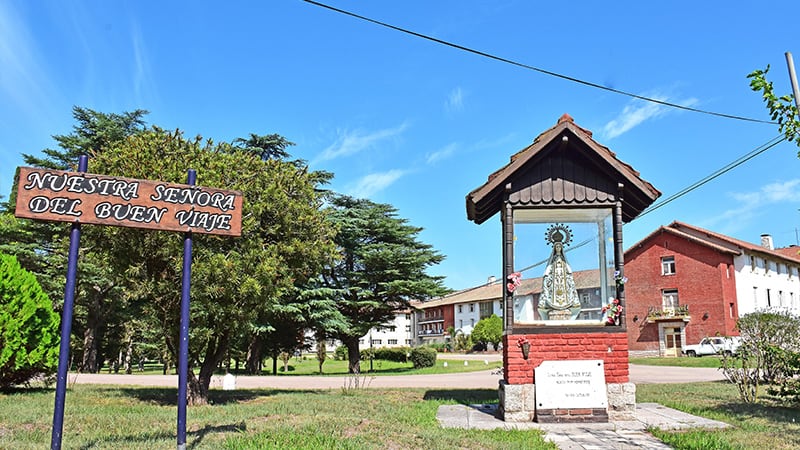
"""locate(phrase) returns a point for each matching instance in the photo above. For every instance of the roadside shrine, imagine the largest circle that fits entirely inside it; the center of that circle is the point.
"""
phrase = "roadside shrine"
(562, 202)
(80, 197)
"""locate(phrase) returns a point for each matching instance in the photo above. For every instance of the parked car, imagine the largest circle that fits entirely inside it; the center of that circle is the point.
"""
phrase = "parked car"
(713, 346)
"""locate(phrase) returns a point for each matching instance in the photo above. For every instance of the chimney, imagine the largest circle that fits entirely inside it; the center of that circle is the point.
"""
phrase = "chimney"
(766, 242)
(491, 279)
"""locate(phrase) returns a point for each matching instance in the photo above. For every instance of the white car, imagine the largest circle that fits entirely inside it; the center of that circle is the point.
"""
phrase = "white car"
(713, 346)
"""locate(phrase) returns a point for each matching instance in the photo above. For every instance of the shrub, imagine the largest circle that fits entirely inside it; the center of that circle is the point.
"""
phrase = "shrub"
(29, 334)
(396, 354)
(340, 354)
(423, 357)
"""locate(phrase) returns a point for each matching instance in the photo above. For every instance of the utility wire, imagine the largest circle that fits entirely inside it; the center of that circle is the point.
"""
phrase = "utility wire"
(536, 69)
(730, 166)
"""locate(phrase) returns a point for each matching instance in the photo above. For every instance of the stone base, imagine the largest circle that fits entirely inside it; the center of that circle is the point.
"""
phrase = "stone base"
(579, 415)
(518, 404)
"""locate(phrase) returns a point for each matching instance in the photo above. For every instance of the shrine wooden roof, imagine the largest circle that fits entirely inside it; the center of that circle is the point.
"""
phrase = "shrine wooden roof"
(563, 167)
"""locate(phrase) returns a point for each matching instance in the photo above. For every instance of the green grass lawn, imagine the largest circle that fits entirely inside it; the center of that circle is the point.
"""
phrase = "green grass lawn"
(309, 366)
(684, 361)
(765, 425)
(124, 417)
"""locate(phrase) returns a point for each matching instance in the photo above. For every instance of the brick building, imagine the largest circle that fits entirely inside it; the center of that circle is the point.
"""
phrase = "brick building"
(686, 283)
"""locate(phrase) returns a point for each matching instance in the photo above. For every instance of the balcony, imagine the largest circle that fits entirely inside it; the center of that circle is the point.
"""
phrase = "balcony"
(655, 313)
(423, 333)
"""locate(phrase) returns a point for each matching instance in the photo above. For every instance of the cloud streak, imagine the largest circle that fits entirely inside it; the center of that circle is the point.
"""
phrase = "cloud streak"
(352, 142)
(751, 203)
(22, 80)
(637, 112)
(373, 183)
(440, 155)
(455, 101)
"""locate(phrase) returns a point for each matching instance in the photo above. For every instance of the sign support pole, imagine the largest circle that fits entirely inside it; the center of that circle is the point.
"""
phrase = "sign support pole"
(66, 325)
(183, 351)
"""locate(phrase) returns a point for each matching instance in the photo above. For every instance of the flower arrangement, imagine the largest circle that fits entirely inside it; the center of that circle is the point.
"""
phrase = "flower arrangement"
(612, 311)
(514, 280)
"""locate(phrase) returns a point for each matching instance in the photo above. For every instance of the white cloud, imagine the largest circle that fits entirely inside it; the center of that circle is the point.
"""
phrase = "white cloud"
(455, 101)
(750, 203)
(637, 111)
(352, 142)
(374, 183)
(441, 154)
(143, 84)
(24, 79)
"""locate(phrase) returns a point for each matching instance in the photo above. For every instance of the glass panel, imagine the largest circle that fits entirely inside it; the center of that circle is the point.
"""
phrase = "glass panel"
(567, 267)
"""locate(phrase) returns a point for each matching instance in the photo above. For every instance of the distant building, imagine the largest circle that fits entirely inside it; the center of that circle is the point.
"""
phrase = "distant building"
(686, 283)
(463, 309)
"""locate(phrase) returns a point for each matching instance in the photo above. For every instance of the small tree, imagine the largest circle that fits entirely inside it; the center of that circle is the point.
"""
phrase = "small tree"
(767, 352)
(322, 353)
(28, 326)
(488, 330)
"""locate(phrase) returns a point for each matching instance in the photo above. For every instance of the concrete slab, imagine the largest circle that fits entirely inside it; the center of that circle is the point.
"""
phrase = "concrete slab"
(586, 436)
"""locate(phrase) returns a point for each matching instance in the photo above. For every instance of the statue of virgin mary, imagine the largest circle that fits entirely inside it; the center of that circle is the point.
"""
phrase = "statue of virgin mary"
(559, 298)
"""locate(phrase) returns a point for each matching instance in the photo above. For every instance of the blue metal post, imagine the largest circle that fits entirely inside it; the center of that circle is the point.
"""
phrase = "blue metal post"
(183, 349)
(66, 325)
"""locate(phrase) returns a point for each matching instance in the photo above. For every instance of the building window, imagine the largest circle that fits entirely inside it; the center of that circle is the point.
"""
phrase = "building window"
(472, 322)
(730, 308)
(459, 308)
(669, 299)
(408, 316)
(392, 341)
(769, 299)
(780, 298)
(585, 300)
(668, 265)
(460, 323)
(360, 341)
(377, 341)
(485, 309)
(472, 307)
(408, 328)
(755, 296)
(408, 341)
(392, 329)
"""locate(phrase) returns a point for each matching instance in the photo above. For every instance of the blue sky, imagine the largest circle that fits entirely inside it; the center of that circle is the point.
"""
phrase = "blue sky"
(416, 124)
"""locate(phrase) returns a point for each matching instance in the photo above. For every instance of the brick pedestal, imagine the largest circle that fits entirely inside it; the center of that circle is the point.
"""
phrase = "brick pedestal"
(517, 391)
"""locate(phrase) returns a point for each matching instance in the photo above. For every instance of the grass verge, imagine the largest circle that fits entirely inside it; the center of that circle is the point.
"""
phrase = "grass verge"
(767, 424)
(705, 361)
(125, 417)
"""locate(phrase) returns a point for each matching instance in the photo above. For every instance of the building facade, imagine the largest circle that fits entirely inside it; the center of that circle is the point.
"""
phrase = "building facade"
(686, 283)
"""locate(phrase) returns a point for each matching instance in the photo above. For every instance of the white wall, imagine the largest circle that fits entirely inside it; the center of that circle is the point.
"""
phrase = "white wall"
(773, 284)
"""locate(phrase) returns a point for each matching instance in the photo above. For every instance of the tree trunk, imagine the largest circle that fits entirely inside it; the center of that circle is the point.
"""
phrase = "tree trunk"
(197, 389)
(90, 336)
(89, 360)
(254, 355)
(129, 354)
(353, 354)
(274, 364)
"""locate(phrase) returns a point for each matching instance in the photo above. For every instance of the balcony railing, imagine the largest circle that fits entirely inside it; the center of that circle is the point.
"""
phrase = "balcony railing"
(668, 312)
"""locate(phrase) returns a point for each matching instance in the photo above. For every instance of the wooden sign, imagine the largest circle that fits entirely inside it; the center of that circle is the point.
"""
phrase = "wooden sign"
(62, 196)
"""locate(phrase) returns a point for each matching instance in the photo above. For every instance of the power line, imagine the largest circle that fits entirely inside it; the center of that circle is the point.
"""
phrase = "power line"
(536, 69)
(730, 166)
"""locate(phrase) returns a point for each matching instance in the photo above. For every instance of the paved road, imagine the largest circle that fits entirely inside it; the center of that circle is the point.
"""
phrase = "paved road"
(484, 379)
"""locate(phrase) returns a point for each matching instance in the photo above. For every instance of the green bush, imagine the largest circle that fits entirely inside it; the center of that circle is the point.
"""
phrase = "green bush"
(423, 357)
(29, 334)
(340, 354)
(396, 354)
